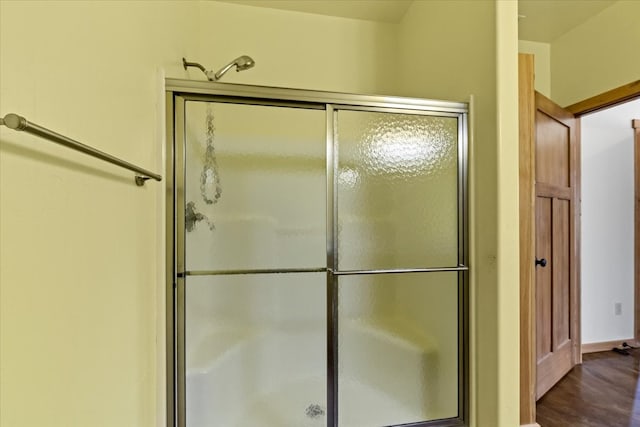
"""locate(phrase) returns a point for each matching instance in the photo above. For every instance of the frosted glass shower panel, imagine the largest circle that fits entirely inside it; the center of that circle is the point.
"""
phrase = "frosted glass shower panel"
(397, 186)
(255, 187)
(255, 350)
(398, 359)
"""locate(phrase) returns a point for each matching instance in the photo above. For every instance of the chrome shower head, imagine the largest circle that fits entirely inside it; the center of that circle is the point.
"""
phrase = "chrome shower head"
(244, 62)
(241, 63)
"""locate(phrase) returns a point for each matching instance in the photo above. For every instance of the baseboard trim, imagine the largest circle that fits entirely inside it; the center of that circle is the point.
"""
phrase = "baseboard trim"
(595, 347)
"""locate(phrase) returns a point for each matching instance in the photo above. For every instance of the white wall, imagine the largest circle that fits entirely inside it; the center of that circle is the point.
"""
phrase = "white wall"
(542, 64)
(607, 223)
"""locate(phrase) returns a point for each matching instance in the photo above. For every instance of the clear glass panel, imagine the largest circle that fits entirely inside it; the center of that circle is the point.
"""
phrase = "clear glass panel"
(398, 348)
(255, 187)
(397, 190)
(255, 350)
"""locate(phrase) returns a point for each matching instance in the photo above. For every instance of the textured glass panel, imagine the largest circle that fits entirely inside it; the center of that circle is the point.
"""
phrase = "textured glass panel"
(398, 348)
(397, 190)
(255, 187)
(255, 350)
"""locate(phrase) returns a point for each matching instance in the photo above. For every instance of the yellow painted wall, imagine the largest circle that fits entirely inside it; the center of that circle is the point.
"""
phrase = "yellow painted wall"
(542, 62)
(298, 50)
(81, 283)
(508, 310)
(599, 55)
(450, 50)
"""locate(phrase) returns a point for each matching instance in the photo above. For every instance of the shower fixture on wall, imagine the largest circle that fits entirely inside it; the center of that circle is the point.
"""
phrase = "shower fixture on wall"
(241, 63)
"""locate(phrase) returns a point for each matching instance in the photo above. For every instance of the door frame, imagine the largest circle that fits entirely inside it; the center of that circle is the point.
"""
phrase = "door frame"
(526, 112)
(635, 124)
(527, 219)
(603, 101)
(529, 100)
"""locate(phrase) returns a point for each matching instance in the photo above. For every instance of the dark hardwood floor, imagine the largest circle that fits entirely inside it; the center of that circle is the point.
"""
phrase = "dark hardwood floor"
(602, 392)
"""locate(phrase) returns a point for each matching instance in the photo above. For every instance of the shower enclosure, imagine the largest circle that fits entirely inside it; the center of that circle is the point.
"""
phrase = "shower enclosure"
(317, 258)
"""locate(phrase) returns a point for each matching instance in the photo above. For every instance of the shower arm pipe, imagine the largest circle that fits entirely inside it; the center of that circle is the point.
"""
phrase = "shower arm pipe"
(19, 123)
(186, 64)
(211, 76)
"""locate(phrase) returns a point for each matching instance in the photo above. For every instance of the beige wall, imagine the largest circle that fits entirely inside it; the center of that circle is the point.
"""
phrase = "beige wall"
(80, 281)
(542, 62)
(507, 305)
(590, 59)
(298, 50)
(599, 55)
(450, 50)
(81, 277)
(81, 249)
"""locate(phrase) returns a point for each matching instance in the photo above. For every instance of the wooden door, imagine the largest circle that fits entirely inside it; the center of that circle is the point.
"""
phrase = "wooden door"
(556, 273)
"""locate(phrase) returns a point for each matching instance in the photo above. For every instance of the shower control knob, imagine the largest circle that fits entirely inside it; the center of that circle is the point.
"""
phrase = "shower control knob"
(541, 262)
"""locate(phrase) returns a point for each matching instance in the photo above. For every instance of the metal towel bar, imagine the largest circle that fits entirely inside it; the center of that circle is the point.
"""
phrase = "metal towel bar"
(19, 123)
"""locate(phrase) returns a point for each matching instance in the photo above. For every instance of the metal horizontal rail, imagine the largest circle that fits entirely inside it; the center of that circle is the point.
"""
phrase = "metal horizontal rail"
(19, 123)
(401, 270)
(254, 271)
(319, 270)
(190, 87)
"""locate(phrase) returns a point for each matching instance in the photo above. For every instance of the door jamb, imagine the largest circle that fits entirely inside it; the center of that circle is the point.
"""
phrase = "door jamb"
(636, 258)
(606, 99)
(526, 102)
(527, 222)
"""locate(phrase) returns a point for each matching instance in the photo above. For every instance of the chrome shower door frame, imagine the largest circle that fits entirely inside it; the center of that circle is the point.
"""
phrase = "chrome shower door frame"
(180, 91)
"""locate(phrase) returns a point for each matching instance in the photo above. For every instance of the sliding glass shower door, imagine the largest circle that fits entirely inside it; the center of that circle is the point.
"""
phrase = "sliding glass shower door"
(255, 263)
(397, 260)
(318, 261)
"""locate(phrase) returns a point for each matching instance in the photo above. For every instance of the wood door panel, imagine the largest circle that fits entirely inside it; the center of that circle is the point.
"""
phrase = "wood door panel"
(552, 151)
(561, 273)
(554, 366)
(548, 190)
(544, 295)
(556, 160)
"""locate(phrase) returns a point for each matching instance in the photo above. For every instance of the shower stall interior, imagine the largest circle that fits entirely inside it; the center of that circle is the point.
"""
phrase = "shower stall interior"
(317, 258)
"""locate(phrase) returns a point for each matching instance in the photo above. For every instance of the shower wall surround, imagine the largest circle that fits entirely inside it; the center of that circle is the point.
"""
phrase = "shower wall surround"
(319, 258)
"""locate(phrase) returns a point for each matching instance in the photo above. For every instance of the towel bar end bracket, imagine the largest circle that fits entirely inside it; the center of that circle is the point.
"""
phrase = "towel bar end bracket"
(141, 179)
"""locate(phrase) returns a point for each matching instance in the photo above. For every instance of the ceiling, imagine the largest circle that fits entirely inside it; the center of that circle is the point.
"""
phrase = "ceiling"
(370, 10)
(542, 20)
(546, 20)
